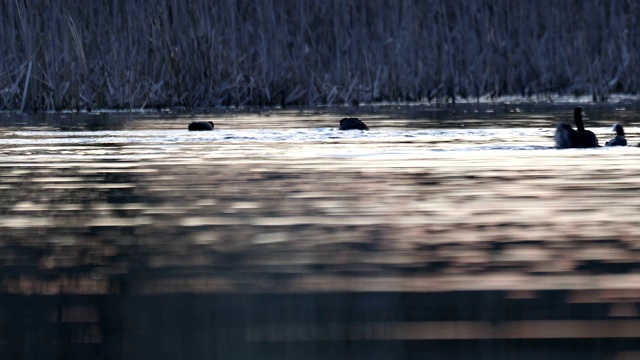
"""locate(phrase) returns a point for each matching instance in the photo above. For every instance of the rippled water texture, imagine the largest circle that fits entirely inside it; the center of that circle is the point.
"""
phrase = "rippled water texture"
(431, 199)
(428, 191)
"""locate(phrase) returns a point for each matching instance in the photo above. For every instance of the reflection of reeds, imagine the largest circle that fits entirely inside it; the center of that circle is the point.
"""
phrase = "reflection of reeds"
(143, 53)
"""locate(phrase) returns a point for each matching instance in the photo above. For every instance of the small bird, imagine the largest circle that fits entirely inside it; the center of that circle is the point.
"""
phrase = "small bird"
(619, 140)
(352, 124)
(566, 137)
(201, 126)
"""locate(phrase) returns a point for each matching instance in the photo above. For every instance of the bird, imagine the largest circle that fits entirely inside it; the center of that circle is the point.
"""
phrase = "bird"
(619, 140)
(201, 126)
(566, 137)
(352, 124)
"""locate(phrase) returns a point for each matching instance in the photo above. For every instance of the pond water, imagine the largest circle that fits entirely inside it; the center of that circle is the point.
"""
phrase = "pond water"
(119, 230)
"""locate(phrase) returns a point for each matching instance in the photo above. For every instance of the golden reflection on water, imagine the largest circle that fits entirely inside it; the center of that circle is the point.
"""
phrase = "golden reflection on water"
(397, 208)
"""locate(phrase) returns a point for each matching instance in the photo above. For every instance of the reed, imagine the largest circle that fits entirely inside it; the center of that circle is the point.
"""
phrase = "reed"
(164, 53)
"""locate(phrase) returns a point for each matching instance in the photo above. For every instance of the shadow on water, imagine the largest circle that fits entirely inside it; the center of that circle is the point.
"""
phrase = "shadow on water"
(443, 232)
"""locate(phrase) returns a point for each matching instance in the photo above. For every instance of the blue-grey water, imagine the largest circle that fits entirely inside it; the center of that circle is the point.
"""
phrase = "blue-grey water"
(449, 232)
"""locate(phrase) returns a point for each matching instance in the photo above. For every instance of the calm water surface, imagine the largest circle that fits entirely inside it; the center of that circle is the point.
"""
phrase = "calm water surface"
(118, 213)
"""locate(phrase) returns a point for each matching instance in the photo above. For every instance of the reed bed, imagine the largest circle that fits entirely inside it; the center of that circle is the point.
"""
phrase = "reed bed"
(123, 54)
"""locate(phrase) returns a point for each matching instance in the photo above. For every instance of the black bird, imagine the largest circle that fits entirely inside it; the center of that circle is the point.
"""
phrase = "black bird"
(566, 137)
(619, 140)
(352, 124)
(201, 126)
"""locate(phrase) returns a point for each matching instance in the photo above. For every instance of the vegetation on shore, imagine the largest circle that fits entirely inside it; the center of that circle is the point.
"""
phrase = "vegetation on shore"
(119, 54)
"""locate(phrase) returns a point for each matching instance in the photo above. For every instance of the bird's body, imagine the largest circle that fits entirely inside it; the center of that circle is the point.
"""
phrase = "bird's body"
(352, 124)
(587, 139)
(201, 126)
(566, 137)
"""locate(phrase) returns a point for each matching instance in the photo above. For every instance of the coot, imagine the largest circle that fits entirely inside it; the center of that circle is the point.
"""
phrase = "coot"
(201, 126)
(619, 140)
(352, 124)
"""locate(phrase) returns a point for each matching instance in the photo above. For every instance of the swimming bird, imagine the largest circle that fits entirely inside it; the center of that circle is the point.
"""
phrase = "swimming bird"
(566, 137)
(352, 124)
(201, 126)
(619, 140)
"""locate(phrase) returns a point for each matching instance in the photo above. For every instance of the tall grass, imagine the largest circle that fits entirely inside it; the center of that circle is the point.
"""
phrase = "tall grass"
(70, 54)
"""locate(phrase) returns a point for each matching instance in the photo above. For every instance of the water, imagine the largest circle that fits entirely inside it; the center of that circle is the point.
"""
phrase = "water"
(454, 232)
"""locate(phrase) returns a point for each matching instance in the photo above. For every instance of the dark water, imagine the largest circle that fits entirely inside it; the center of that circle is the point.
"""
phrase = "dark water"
(441, 233)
